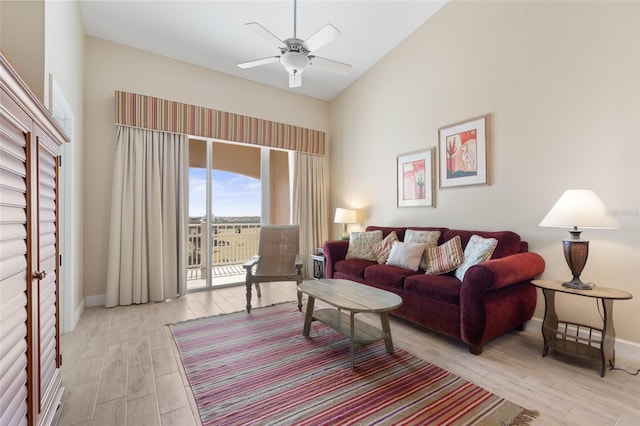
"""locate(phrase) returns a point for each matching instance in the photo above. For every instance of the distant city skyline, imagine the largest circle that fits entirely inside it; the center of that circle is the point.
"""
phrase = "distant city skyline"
(233, 194)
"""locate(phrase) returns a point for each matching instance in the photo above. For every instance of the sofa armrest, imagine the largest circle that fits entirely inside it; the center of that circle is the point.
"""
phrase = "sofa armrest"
(505, 271)
(333, 252)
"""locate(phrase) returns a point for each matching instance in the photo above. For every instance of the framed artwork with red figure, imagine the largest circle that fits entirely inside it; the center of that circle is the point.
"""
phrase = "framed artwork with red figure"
(416, 179)
(463, 153)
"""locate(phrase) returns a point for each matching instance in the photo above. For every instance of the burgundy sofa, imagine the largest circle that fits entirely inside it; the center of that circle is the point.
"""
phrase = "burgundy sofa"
(495, 297)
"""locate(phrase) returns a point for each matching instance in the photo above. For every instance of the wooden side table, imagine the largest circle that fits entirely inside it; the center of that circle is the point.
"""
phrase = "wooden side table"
(580, 339)
(318, 266)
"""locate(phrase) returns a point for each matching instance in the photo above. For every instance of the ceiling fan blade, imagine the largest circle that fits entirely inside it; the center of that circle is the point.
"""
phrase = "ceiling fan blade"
(295, 79)
(259, 62)
(321, 37)
(329, 64)
(267, 35)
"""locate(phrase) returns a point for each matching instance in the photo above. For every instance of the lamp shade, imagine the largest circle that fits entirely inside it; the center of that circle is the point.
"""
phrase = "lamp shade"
(580, 208)
(344, 216)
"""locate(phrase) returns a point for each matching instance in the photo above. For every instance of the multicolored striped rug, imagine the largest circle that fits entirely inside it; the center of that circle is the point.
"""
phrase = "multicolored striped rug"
(258, 369)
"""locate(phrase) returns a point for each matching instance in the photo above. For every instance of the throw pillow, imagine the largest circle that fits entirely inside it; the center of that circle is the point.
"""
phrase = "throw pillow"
(406, 255)
(445, 258)
(430, 238)
(478, 250)
(361, 245)
(382, 249)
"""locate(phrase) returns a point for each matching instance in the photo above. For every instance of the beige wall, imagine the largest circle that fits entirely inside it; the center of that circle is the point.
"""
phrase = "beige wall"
(561, 82)
(110, 67)
(22, 40)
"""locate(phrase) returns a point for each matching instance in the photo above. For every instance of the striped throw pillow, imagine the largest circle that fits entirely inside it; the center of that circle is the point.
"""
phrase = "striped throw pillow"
(444, 258)
(382, 249)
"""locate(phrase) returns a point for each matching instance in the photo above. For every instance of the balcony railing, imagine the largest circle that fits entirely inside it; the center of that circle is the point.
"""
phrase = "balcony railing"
(231, 244)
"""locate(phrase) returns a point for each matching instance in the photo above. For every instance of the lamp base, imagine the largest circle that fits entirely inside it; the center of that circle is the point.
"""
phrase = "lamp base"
(345, 235)
(576, 252)
(576, 283)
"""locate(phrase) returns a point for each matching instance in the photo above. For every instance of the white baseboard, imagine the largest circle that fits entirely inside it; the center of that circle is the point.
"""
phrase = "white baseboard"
(624, 348)
(97, 300)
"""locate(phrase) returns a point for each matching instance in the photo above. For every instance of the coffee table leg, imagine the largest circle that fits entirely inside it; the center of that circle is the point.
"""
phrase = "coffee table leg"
(308, 316)
(352, 337)
(384, 320)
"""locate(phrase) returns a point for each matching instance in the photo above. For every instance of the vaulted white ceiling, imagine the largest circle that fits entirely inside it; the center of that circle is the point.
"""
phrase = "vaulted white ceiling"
(212, 34)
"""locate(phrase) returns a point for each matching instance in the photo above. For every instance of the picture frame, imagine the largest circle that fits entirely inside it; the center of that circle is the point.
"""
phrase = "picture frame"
(416, 179)
(463, 152)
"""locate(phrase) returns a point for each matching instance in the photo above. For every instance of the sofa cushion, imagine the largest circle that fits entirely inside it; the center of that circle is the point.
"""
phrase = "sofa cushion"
(444, 258)
(382, 249)
(478, 250)
(387, 275)
(508, 242)
(406, 255)
(445, 288)
(361, 245)
(353, 267)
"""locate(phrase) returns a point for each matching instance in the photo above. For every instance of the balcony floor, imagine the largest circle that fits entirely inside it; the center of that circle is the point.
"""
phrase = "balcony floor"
(223, 276)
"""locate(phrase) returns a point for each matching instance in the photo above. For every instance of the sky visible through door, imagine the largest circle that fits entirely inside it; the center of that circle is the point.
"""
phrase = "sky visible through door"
(234, 195)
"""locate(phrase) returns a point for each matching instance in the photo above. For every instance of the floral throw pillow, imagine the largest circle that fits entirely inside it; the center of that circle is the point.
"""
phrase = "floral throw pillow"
(406, 255)
(361, 245)
(444, 258)
(430, 238)
(478, 250)
(382, 249)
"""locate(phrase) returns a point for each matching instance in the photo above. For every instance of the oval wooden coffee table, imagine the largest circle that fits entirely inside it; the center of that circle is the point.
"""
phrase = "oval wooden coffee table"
(354, 298)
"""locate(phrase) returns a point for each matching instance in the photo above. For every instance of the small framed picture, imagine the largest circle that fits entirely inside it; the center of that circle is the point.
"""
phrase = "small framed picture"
(463, 153)
(416, 179)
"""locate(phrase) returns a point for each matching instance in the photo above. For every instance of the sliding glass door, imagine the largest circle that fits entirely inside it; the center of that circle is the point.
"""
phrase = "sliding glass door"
(233, 189)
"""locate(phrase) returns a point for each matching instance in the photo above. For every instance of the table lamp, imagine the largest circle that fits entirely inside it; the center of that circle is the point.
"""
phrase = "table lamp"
(578, 208)
(344, 216)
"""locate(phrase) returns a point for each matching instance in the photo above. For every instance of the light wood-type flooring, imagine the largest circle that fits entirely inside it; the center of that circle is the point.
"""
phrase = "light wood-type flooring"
(121, 367)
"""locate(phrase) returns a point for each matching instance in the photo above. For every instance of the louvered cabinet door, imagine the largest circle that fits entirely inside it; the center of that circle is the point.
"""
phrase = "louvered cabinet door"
(14, 268)
(30, 139)
(45, 279)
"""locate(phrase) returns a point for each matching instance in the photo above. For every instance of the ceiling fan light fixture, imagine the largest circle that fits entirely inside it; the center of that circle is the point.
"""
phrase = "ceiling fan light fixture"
(294, 62)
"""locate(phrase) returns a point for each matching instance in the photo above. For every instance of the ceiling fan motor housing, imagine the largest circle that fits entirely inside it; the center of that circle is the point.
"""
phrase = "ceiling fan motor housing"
(294, 57)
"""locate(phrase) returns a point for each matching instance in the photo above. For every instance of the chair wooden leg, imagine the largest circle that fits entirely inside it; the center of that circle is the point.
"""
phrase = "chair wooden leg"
(299, 300)
(258, 292)
(248, 284)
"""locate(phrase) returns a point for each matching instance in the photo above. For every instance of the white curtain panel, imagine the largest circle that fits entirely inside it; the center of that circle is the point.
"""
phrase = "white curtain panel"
(149, 217)
(309, 204)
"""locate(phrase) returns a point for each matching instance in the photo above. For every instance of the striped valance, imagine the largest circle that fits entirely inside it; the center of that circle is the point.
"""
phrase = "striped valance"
(159, 114)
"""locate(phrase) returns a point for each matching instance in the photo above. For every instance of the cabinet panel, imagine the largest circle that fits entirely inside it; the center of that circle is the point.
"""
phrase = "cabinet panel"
(46, 304)
(14, 263)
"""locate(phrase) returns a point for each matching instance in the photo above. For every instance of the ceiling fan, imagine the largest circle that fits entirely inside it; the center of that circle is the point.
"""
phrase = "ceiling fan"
(295, 54)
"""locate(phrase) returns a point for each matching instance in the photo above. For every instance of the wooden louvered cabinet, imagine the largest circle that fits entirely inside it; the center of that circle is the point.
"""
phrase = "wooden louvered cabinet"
(30, 380)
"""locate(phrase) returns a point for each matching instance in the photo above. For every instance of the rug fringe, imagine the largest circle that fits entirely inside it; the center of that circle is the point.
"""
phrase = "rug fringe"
(525, 418)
